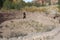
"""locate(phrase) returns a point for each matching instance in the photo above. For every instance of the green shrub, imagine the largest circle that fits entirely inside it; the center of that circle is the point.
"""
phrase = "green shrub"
(18, 5)
(58, 2)
(12, 5)
(1, 3)
(7, 5)
(58, 8)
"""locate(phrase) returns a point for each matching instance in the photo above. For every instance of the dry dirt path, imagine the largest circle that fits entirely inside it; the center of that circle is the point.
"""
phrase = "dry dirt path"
(57, 37)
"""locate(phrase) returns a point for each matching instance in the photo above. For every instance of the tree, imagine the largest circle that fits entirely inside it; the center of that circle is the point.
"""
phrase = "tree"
(14, 5)
(36, 4)
(20, 5)
(7, 4)
(29, 4)
(1, 3)
(58, 2)
(49, 2)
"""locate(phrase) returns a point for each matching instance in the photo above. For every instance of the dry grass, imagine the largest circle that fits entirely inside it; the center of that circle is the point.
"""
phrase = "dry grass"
(40, 9)
(33, 9)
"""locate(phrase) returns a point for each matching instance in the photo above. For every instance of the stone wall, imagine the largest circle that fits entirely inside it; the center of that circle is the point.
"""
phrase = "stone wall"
(38, 36)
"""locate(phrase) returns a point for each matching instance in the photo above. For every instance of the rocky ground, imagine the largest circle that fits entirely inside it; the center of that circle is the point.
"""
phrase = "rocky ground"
(36, 26)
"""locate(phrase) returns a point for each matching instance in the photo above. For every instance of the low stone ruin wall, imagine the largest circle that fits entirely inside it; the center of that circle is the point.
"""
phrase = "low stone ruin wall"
(38, 36)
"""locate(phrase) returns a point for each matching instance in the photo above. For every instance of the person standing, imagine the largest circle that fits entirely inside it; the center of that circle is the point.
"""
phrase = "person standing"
(24, 15)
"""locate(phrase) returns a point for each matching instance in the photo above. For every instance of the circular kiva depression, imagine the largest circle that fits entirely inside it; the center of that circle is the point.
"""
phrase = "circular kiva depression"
(18, 27)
